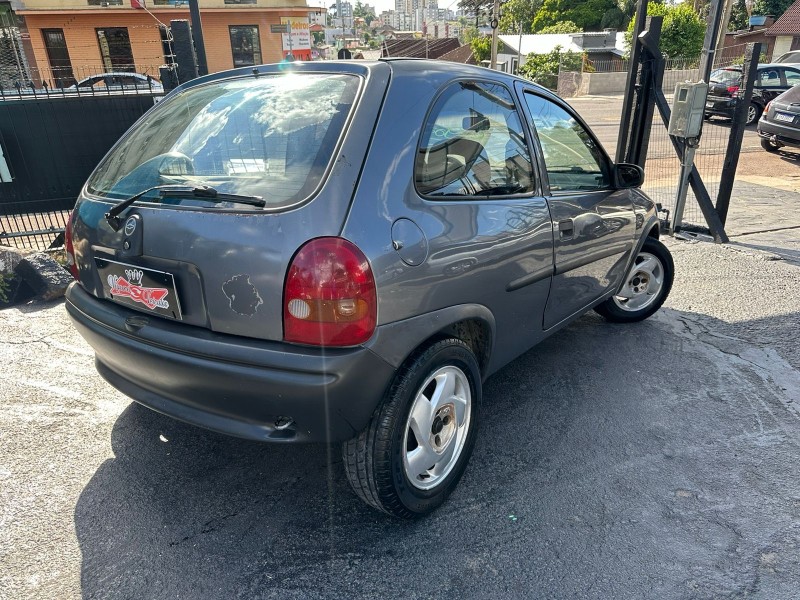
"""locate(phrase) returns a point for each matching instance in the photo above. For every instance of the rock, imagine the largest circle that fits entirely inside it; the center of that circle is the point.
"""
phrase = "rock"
(47, 278)
(13, 290)
(10, 258)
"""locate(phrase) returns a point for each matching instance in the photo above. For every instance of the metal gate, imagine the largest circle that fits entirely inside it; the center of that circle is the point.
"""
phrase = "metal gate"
(49, 144)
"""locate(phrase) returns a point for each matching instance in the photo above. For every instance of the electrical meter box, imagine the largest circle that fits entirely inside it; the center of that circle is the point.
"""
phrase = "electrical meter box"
(687, 109)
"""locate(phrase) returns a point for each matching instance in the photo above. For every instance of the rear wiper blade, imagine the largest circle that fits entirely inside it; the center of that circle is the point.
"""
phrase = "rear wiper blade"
(206, 192)
(180, 191)
(112, 216)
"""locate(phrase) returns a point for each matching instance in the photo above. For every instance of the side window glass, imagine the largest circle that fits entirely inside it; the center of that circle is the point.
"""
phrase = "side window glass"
(792, 77)
(473, 145)
(769, 78)
(573, 160)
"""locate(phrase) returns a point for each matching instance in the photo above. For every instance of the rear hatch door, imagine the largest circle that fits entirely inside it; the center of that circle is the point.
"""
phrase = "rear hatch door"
(293, 141)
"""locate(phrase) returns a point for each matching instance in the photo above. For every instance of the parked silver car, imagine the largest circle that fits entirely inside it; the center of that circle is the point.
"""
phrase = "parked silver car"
(118, 82)
(344, 252)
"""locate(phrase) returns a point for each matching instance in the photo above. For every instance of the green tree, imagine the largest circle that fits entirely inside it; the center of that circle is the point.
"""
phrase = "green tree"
(543, 68)
(586, 14)
(481, 48)
(518, 12)
(682, 32)
(365, 13)
(469, 33)
(739, 17)
(771, 7)
(561, 27)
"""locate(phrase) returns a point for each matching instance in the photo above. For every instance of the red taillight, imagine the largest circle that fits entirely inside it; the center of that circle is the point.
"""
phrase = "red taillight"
(70, 249)
(766, 108)
(329, 298)
(733, 89)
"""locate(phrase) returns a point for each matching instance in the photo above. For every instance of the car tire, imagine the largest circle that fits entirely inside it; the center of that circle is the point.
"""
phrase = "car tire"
(753, 113)
(646, 285)
(434, 395)
(769, 146)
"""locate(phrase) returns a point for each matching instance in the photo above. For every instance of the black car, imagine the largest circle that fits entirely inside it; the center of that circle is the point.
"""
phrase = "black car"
(780, 124)
(771, 80)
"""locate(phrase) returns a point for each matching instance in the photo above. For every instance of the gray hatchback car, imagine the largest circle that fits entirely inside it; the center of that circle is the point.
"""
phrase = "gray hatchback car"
(344, 252)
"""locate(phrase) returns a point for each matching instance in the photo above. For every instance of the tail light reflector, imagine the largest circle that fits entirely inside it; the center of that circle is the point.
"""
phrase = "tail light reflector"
(69, 248)
(329, 296)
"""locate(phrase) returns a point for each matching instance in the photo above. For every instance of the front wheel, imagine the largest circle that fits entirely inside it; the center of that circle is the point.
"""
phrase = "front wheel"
(414, 451)
(646, 285)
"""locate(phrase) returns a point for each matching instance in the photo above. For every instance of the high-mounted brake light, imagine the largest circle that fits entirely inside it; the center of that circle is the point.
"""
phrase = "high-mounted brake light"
(329, 297)
(69, 248)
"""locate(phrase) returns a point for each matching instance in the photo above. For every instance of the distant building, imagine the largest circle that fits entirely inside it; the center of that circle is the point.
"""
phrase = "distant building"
(71, 39)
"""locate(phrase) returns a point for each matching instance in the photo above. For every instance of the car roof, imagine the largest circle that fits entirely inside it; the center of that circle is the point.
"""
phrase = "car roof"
(400, 68)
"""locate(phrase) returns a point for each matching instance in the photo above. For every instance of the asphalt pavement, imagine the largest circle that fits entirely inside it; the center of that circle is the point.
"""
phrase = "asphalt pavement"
(654, 460)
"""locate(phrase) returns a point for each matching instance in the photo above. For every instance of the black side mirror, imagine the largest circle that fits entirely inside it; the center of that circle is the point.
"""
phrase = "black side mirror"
(627, 176)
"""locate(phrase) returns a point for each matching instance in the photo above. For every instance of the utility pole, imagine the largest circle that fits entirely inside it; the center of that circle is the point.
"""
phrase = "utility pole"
(494, 23)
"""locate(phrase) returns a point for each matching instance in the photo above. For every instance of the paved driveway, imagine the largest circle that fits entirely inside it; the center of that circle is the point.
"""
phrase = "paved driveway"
(658, 460)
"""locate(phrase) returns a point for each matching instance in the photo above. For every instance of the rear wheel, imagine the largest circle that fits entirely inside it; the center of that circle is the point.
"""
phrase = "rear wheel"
(416, 448)
(768, 145)
(646, 285)
(753, 113)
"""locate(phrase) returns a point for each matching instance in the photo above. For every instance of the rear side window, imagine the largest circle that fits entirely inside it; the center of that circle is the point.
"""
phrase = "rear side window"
(729, 76)
(473, 144)
(792, 76)
(271, 136)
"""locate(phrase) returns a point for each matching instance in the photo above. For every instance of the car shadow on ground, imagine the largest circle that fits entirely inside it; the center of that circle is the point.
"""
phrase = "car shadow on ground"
(555, 485)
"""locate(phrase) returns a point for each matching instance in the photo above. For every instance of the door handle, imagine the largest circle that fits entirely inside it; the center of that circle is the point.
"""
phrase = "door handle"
(566, 228)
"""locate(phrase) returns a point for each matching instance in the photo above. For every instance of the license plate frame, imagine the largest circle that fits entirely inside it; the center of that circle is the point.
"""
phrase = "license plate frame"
(140, 288)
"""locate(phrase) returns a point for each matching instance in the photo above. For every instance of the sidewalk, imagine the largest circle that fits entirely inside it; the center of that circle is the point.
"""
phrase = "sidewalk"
(766, 218)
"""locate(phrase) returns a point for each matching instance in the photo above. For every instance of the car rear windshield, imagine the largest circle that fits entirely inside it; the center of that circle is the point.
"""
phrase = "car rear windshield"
(271, 136)
(726, 76)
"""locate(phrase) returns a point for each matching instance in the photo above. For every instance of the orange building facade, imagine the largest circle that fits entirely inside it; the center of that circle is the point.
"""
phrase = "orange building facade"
(71, 39)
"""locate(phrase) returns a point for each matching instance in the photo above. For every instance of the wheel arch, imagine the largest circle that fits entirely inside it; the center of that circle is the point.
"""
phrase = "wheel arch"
(474, 324)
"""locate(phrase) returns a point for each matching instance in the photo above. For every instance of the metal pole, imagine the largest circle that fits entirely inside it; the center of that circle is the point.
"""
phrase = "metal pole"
(197, 36)
(630, 85)
(687, 162)
(710, 41)
(739, 121)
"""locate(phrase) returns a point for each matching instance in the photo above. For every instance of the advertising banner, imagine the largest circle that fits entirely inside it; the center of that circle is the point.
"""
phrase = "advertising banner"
(300, 36)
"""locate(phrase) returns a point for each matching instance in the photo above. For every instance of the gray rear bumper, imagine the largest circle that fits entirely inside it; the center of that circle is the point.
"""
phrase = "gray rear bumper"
(231, 384)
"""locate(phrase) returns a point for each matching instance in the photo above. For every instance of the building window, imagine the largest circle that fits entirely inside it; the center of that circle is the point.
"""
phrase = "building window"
(58, 56)
(240, 1)
(115, 49)
(245, 45)
(104, 2)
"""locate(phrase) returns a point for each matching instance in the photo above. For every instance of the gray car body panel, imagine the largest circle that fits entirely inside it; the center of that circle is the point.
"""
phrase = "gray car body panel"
(496, 262)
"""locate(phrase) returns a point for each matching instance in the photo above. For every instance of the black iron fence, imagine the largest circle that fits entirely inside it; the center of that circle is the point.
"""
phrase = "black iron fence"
(31, 225)
(49, 144)
(67, 82)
